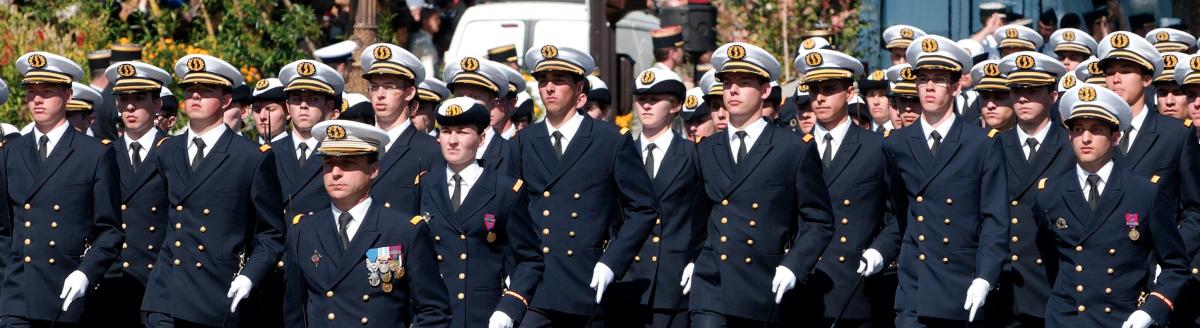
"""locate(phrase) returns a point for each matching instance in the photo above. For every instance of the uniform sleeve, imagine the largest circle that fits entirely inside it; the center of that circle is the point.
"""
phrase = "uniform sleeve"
(638, 204)
(1169, 254)
(106, 234)
(887, 242)
(1189, 193)
(268, 235)
(526, 272)
(814, 218)
(701, 208)
(431, 305)
(5, 214)
(898, 202)
(295, 295)
(993, 215)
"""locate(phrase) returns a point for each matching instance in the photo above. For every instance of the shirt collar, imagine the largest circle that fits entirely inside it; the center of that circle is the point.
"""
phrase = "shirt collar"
(1140, 119)
(210, 138)
(357, 213)
(395, 133)
(147, 140)
(469, 174)
(54, 135)
(943, 129)
(488, 135)
(281, 135)
(1040, 135)
(839, 131)
(663, 141)
(1104, 173)
(296, 141)
(568, 128)
(752, 131)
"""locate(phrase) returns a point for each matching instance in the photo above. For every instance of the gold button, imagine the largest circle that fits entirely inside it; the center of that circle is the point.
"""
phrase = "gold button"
(576, 195)
(637, 258)
(1015, 202)
(54, 225)
(277, 264)
(1112, 251)
(462, 276)
(51, 243)
(123, 207)
(571, 234)
(179, 208)
(366, 297)
(28, 259)
(546, 194)
(1107, 310)
(363, 321)
(461, 296)
(753, 223)
(124, 226)
(921, 237)
(1038, 261)
(177, 262)
(920, 199)
(724, 202)
(151, 228)
(946, 240)
(920, 218)
(462, 257)
(748, 260)
(1078, 248)
(724, 239)
(199, 265)
(545, 250)
(654, 259)
(150, 266)
(658, 221)
(206, 211)
(56, 208)
(201, 248)
(545, 231)
(28, 241)
(1078, 268)
(750, 242)
(945, 260)
(27, 206)
(1015, 221)
(387, 204)
(1195, 270)
(1078, 288)
(846, 202)
(921, 257)
(724, 257)
(439, 257)
(178, 243)
(545, 212)
(655, 240)
(1015, 257)
(28, 224)
(841, 259)
(570, 252)
(1015, 239)
(1108, 291)
(724, 220)
(1082, 308)
(330, 316)
(462, 237)
(125, 265)
(51, 261)
(203, 229)
(946, 221)
(949, 201)
(153, 209)
(178, 225)
(329, 294)
(845, 221)
(754, 206)
(124, 245)
(1111, 271)
(574, 215)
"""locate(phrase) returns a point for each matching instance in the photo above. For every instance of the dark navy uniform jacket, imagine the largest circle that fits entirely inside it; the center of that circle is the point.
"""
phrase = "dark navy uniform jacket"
(772, 209)
(498, 153)
(144, 209)
(491, 227)
(677, 235)
(956, 215)
(575, 200)
(858, 187)
(329, 286)
(225, 219)
(302, 186)
(401, 169)
(61, 216)
(1102, 270)
(1032, 245)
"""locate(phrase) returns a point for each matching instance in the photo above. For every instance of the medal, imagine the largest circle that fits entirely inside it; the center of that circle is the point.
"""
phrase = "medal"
(1131, 221)
(387, 287)
(1061, 224)
(491, 237)
(1134, 235)
(399, 274)
(316, 258)
(386, 277)
(373, 279)
(489, 223)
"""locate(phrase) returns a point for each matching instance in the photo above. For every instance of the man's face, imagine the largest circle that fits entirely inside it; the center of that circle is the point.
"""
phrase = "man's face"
(656, 110)
(704, 127)
(996, 108)
(138, 111)
(898, 56)
(348, 177)
(205, 102)
(744, 93)
(235, 115)
(459, 143)
(47, 101)
(1033, 103)
(561, 92)
(1127, 80)
(807, 121)
(677, 55)
(936, 90)
(1193, 96)
(829, 99)
(1171, 100)
(595, 110)
(1093, 140)
(307, 108)
(390, 94)
(422, 118)
(720, 117)
(878, 106)
(1045, 29)
(908, 110)
(270, 118)
(80, 120)
(483, 97)
(1071, 59)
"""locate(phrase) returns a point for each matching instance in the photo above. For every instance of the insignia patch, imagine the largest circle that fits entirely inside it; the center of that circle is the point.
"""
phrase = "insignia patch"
(1119, 41)
(469, 64)
(517, 186)
(1094, 68)
(417, 180)
(1169, 61)
(1061, 224)
(1025, 61)
(808, 137)
(296, 219)
(1087, 93)
(877, 75)
(887, 133)
(809, 43)
(1162, 36)
(1042, 184)
(315, 258)
(262, 84)
(1154, 179)
(335, 132)
(1011, 33)
(1187, 122)
(906, 33)
(105, 141)
(906, 73)
(991, 69)
(1194, 63)
(160, 142)
(382, 53)
(126, 70)
(813, 59)
(647, 77)
(306, 69)
(36, 61)
(1068, 36)
(992, 133)
(415, 219)
(736, 52)
(196, 64)
(929, 45)
(624, 131)
(453, 110)
(264, 148)
(691, 101)
(549, 51)
(1069, 81)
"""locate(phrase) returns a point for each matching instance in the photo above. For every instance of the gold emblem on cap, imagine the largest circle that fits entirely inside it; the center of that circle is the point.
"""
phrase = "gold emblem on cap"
(1087, 93)
(263, 84)
(1025, 61)
(382, 53)
(37, 61)
(126, 70)
(453, 110)
(1119, 40)
(469, 64)
(991, 69)
(549, 51)
(906, 73)
(813, 59)
(929, 45)
(335, 132)
(876, 75)
(802, 87)
(1169, 61)
(1162, 36)
(906, 33)
(1194, 63)
(809, 43)
(1068, 36)
(736, 52)
(1011, 33)
(195, 64)
(306, 69)
(1069, 81)
(647, 77)
(691, 102)
(1094, 68)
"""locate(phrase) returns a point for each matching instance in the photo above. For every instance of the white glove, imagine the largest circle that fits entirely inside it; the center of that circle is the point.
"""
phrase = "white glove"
(871, 262)
(500, 320)
(1157, 271)
(976, 295)
(73, 288)
(601, 277)
(784, 281)
(238, 290)
(1138, 319)
(686, 281)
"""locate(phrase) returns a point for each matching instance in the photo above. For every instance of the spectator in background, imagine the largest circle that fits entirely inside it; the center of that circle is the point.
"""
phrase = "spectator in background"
(598, 99)
(235, 114)
(1071, 20)
(1141, 24)
(668, 47)
(422, 45)
(1099, 22)
(1048, 23)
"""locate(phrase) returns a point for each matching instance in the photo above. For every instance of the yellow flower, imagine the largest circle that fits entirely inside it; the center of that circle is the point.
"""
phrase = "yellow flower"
(124, 40)
(168, 41)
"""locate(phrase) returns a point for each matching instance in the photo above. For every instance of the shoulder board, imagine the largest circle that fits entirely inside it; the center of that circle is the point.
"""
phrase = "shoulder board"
(264, 148)
(296, 219)
(1042, 184)
(808, 137)
(161, 141)
(1187, 122)
(1154, 179)
(417, 180)
(624, 131)
(416, 219)
(105, 141)
(887, 133)
(517, 185)
(698, 139)
(992, 133)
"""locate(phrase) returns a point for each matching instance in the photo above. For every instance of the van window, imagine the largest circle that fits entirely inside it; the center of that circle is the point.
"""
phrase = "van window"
(479, 36)
(562, 33)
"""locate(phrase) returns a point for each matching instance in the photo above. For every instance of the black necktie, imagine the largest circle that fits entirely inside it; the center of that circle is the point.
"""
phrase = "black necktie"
(1093, 182)
(937, 142)
(741, 153)
(199, 153)
(558, 148)
(650, 160)
(343, 224)
(1032, 143)
(136, 149)
(1124, 143)
(827, 153)
(456, 196)
(44, 147)
(303, 153)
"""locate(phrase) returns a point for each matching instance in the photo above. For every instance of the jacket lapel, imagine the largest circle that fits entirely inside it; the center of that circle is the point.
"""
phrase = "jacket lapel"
(62, 150)
(919, 149)
(329, 248)
(288, 160)
(945, 152)
(1046, 154)
(760, 149)
(575, 149)
(125, 167)
(845, 153)
(481, 194)
(493, 154)
(210, 163)
(1109, 200)
(1145, 140)
(363, 239)
(1015, 155)
(441, 198)
(1077, 204)
(723, 154)
(394, 154)
(672, 163)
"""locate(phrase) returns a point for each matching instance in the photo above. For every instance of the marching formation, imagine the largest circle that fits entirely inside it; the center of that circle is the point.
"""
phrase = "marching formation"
(1050, 183)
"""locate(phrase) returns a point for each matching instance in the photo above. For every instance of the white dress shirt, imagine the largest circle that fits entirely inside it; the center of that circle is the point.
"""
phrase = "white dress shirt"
(394, 134)
(357, 213)
(1104, 173)
(567, 129)
(1136, 125)
(146, 141)
(296, 142)
(1040, 136)
(510, 132)
(469, 174)
(942, 129)
(838, 133)
(752, 132)
(54, 135)
(210, 139)
(488, 135)
(660, 148)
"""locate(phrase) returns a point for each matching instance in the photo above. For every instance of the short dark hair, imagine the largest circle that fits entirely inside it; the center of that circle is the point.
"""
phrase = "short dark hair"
(660, 54)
